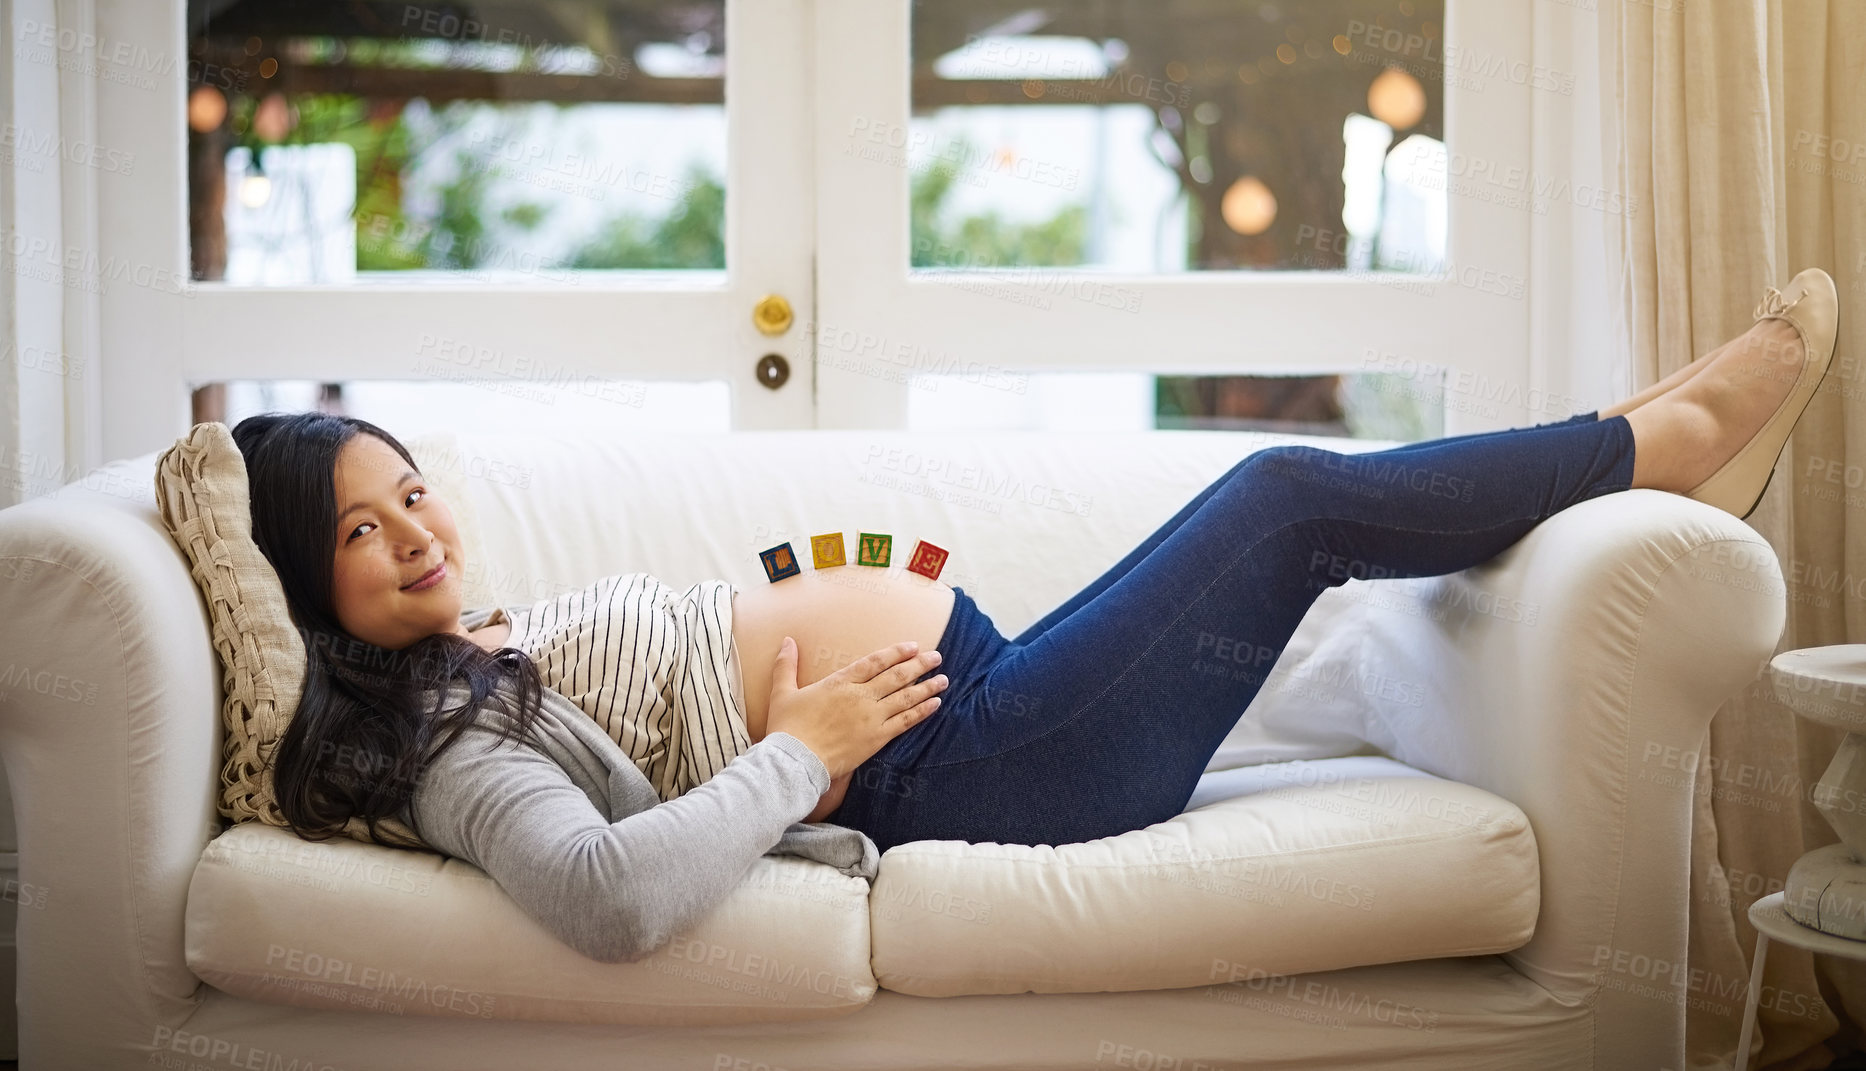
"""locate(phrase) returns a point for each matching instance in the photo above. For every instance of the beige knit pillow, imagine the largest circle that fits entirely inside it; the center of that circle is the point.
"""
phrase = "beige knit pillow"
(201, 491)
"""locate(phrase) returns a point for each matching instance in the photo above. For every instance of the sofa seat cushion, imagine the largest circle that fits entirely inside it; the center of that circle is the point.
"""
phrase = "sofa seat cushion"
(1278, 869)
(345, 924)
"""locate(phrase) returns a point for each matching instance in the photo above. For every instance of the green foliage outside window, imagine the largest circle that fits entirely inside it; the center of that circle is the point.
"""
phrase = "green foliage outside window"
(988, 240)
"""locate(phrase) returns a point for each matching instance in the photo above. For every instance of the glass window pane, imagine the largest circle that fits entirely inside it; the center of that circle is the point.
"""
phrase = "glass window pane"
(514, 140)
(1171, 136)
(1356, 405)
(1405, 405)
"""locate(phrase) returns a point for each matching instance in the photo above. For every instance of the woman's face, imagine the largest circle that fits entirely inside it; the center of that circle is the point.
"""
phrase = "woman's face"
(392, 531)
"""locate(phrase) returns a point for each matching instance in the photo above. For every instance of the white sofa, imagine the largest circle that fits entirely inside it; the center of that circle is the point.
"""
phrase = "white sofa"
(1451, 832)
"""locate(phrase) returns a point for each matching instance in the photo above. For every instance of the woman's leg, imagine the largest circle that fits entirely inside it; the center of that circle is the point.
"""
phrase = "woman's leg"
(1104, 722)
(1134, 557)
(1119, 569)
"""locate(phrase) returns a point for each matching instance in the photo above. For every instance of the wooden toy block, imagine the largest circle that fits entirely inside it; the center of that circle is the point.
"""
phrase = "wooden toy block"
(779, 562)
(927, 560)
(826, 550)
(874, 548)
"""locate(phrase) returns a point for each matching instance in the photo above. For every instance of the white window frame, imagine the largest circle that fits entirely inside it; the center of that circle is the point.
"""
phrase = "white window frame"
(162, 341)
(1194, 323)
(846, 266)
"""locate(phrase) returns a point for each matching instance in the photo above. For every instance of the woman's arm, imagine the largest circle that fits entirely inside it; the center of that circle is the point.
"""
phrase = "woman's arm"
(882, 681)
(615, 892)
(837, 788)
(831, 799)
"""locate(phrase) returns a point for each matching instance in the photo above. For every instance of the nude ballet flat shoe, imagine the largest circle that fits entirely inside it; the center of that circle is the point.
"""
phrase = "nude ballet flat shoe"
(1812, 305)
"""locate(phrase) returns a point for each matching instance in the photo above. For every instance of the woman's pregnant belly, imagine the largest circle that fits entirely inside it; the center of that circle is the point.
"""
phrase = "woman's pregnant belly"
(836, 616)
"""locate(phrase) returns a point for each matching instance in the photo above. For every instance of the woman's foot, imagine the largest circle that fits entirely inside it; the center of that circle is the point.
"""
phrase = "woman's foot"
(1675, 379)
(1687, 433)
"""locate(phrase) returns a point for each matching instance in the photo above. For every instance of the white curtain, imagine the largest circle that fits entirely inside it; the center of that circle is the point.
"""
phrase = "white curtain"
(49, 295)
(1740, 127)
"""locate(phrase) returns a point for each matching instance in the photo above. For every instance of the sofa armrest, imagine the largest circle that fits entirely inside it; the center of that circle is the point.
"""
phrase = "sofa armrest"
(1576, 675)
(111, 740)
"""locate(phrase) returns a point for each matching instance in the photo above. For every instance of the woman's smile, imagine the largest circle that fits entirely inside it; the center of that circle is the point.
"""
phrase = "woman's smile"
(429, 579)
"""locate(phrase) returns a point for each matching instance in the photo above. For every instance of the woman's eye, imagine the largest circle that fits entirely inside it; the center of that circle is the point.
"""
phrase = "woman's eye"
(422, 491)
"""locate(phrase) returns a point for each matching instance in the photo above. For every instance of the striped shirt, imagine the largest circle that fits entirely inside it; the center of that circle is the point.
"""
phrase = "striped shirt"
(656, 668)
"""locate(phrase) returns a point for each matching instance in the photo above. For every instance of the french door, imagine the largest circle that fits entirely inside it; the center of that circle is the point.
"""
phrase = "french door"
(828, 310)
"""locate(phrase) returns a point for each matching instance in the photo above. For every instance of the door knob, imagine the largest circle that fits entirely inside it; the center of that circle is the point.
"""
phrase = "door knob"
(771, 315)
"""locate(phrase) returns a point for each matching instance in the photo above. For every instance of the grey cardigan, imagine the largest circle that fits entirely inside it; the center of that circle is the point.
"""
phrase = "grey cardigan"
(572, 830)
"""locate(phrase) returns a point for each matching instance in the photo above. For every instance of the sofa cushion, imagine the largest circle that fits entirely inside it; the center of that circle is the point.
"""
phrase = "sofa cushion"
(201, 492)
(343, 924)
(1272, 870)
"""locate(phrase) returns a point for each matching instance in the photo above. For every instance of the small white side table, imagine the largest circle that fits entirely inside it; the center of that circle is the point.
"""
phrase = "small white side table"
(1826, 888)
(1771, 920)
(1827, 885)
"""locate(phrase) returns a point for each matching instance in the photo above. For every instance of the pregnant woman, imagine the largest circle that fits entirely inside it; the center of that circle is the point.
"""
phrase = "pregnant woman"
(895, 707)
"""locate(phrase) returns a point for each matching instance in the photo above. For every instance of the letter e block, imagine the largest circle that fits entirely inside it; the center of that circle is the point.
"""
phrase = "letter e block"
(927, 560)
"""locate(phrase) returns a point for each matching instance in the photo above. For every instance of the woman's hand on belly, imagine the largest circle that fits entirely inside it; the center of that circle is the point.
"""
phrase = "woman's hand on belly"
(852, 713)
(834, 615)
(831, 614)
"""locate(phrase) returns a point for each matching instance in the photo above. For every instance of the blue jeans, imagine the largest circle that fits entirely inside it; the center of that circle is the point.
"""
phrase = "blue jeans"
(1101, 717)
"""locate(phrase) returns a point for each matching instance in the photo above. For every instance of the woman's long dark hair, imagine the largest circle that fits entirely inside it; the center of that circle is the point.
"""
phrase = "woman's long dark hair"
(360, 739)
